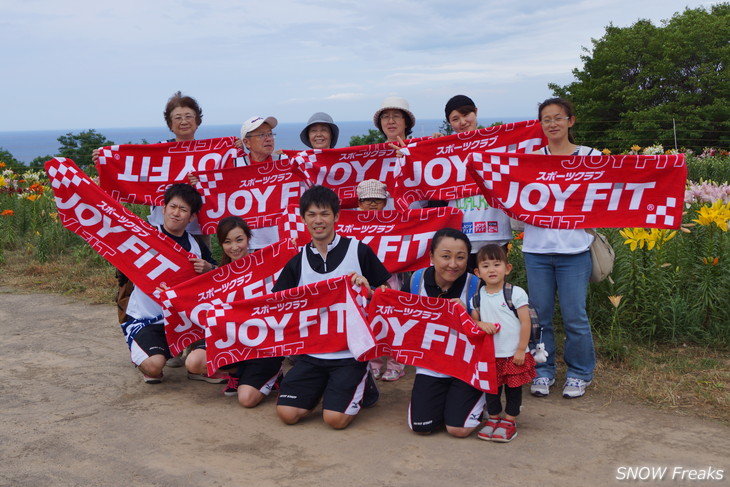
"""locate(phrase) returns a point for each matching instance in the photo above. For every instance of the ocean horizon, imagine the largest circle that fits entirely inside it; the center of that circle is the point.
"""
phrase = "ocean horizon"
(27, 145)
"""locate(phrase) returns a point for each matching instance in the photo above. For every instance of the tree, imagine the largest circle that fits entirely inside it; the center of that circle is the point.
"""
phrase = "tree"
(10, 161)
(446, 128)
(79, 147)
(372, 137)
(639, 82)
(39, 162)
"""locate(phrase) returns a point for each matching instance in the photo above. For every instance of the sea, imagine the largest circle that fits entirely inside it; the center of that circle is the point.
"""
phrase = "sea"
(27, 145)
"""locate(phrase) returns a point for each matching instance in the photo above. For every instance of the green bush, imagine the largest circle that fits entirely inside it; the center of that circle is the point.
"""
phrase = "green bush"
(714, 168)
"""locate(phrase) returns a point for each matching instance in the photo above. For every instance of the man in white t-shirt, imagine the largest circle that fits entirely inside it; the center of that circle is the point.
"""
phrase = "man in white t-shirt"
(144, 328)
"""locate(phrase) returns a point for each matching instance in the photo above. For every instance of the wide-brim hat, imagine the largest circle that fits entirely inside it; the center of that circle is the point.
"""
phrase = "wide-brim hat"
(395, 103)
(320, 117)
(255, 122)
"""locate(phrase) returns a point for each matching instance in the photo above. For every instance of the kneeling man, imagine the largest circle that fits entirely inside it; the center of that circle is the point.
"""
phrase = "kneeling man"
(337, 378)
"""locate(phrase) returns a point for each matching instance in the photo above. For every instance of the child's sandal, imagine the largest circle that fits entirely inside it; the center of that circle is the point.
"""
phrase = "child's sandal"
(506, 431)
(488, 430)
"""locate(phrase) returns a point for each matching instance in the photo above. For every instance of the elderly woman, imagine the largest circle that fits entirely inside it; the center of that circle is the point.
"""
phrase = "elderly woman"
(320, 132)
(394, 119)
(438, 399)
(183, 116)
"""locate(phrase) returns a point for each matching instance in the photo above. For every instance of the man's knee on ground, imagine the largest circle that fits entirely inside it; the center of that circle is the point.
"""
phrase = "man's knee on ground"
(152, 366)
(459, 432)
(337, 420)
(289, 414)
(250, 397)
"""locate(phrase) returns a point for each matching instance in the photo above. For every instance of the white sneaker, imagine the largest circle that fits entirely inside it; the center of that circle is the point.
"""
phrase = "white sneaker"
(209, 379)
(541, 386)
(152, 380)
(574, 387)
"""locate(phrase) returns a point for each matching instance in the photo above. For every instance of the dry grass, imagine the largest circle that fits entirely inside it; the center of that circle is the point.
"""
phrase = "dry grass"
(690, 380)
(72, 274)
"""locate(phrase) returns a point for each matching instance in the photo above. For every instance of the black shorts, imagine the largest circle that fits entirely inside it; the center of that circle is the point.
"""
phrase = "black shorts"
(436, 401)
(259, 373)
(340, 381)
(149, 341)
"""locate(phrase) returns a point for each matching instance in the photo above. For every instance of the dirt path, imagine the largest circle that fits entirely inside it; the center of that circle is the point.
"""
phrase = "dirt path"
(75, 412)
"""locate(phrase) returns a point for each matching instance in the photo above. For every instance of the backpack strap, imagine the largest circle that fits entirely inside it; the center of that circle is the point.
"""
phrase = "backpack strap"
(476, 300)
(417, 281)
(507, 292)
(535, 328)
(472, 283)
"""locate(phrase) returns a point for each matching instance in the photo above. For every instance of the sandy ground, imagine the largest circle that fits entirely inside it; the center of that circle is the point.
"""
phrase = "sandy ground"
(76, 412)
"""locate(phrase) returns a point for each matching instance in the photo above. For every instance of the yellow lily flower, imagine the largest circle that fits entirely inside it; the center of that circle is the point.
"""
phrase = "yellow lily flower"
(718, 213)
(635, 237)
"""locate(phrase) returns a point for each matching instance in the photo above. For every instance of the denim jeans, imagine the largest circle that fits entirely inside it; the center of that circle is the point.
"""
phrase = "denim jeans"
(567, 275)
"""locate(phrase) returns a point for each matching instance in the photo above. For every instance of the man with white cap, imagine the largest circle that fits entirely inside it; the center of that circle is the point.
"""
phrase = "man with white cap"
(394, 119)
(320, 132)
(258, 139)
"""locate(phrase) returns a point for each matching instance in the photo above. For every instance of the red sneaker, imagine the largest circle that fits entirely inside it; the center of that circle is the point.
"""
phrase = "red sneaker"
(232, 387)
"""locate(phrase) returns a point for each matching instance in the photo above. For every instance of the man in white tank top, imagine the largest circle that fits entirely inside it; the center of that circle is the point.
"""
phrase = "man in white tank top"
(336, 377)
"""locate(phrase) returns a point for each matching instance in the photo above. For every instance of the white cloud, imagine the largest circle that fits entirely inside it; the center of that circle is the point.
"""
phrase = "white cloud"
(97, 64)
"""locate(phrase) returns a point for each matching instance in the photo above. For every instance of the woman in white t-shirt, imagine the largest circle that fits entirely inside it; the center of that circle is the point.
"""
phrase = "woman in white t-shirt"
(558, 262)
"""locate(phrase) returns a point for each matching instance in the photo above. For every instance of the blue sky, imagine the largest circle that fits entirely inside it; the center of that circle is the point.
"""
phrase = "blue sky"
(99, 64)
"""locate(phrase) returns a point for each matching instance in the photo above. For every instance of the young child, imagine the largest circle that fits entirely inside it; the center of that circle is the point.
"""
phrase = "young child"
(515, 365)
(372, 195)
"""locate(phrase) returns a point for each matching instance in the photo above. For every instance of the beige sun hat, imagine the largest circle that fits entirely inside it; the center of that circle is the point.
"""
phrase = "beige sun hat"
(395, 103)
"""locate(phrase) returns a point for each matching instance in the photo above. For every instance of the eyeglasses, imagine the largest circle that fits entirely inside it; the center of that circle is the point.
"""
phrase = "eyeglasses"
(391, 116)
(372, 201)
(180, 118)
(548, 121)
(270, 135)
